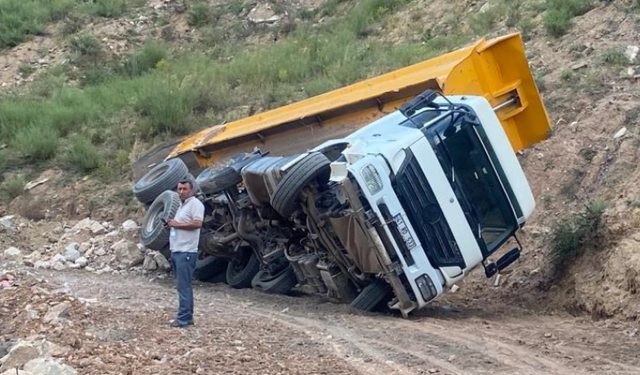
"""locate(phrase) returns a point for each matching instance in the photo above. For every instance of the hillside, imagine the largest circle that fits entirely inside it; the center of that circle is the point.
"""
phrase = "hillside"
(88, 87)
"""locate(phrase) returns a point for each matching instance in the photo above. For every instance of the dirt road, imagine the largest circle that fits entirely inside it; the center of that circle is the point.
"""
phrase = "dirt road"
(246, 332)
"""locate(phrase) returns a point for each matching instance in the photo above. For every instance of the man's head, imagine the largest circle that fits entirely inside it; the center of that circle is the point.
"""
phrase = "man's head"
(185, 189)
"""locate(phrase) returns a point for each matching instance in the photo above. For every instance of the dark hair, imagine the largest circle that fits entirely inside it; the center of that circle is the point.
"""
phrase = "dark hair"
(187, 182)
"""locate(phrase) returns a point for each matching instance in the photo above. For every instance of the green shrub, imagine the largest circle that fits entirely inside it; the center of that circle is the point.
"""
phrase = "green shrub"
(557, 19)
(615, 57)
(165, 107)
(13, 186)
(199, 14)
(571, 236)
(484, 22)
(109, 8)
(26, 69)
(37, 143)
(86, 45)
(22, 19)
(145, 59)
(82, 155)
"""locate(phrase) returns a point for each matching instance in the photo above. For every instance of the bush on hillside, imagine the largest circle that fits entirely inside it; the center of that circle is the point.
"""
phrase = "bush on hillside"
(573, 235)
(39, 143)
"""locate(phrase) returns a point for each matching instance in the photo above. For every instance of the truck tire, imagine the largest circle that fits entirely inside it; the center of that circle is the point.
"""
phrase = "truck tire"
(372, 295)
(153, 234)
(162, 177)
(285, 196)
(225, 174)
(281, 283)
(240, 273)
(210, 268)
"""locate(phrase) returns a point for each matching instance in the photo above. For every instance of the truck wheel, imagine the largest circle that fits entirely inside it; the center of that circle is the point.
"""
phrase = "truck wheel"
(372, 295)
(285, 196)
(164, 176)
(240, 272)
(280, 283)
(224, 174)
(153, 234)
(211, 268)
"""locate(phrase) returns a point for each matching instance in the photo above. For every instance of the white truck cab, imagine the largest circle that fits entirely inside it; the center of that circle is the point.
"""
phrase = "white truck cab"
(445, 186)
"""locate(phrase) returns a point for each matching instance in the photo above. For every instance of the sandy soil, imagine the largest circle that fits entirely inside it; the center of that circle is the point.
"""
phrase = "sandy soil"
(119, 326)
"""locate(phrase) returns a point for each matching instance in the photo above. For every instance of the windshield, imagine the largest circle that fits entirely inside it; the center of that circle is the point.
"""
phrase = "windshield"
(474, 181)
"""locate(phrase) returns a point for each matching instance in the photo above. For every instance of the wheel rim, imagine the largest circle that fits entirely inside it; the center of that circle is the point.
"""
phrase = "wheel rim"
(154, 217)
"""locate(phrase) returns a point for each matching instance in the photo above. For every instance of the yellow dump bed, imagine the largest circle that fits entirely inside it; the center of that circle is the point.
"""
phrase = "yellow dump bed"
(496, 69)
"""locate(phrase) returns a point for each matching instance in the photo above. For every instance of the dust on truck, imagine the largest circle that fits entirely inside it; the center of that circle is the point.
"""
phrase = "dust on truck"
(386, 191)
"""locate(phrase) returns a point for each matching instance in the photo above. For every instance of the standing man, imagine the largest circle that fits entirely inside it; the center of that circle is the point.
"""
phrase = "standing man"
(183, 242)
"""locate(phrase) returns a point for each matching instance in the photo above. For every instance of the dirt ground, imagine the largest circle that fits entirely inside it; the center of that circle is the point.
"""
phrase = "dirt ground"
(119, 326)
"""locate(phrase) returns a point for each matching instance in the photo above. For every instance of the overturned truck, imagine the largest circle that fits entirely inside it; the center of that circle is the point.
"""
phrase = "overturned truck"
(386, 192)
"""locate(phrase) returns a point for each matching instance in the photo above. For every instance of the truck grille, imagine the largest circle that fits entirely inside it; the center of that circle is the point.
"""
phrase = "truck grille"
(425, 215)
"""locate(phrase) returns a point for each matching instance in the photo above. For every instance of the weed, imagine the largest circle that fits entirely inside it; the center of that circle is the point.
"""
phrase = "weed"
(557, 19)
(525, 26)
(109, 8)
(82, 155)
(236, 7)
(635, 203)
(212, 36)
(37, 143)
(166, 107)
(549, 165)
(13, 186)
(571, 187)
(26, 69)
(21, 19)
(615, 57)
(144, 60)
(309, 13)
(588, 153)
(566, 75)
(484, 22)
(199, 14)
(73, 23)
(86, 45)
(572, 235)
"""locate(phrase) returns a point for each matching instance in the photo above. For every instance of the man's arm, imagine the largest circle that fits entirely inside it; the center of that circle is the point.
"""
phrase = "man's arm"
(192, 224)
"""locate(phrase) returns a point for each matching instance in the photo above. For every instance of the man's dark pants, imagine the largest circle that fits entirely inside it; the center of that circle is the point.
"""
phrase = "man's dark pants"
(184, 264)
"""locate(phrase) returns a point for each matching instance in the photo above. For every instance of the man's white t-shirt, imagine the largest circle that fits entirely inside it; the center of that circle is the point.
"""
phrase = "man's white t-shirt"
(186, 240)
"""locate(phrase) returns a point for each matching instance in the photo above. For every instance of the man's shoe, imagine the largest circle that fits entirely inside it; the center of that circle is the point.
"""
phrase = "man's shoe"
(177, 324)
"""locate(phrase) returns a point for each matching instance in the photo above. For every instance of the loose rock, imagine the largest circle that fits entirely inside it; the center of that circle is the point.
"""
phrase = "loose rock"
(57, 313)
(71, 252)
(42, 366)
(13, 252)
(129, 225)
(162, 262)
(127, 253)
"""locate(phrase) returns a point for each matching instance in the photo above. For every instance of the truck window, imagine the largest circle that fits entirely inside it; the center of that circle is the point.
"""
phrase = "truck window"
(475, 182)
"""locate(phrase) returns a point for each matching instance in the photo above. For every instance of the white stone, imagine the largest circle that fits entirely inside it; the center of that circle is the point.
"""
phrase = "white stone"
(149, 263)
(100, 252)
(48, 366)
(127, 253)
(82, 262)
(71, 252)
(58, 266)
(13, 252)
(89, 225)
(84, 247)
(129, 225)
(42, 264)
(7, 222)
(58, 258)
(631, 52)
(162, 262)
(620, 133)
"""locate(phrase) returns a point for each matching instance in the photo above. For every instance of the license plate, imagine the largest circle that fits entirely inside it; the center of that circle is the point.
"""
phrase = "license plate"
(404, 232)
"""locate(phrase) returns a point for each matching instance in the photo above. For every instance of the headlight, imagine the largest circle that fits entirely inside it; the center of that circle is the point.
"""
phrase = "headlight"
(371, 178)
(426, 287)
